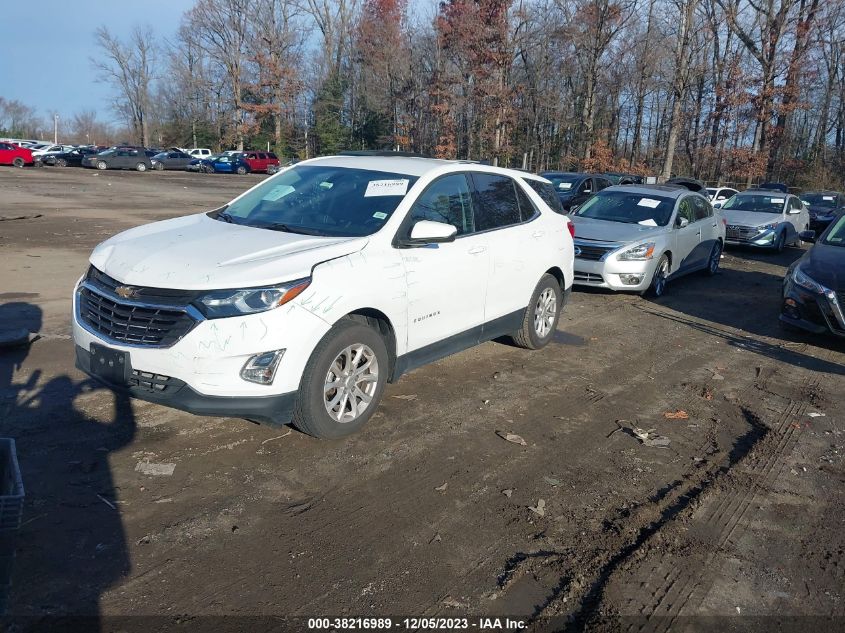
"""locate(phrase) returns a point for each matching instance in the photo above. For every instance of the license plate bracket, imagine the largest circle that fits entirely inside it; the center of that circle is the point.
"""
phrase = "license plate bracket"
(110, 364)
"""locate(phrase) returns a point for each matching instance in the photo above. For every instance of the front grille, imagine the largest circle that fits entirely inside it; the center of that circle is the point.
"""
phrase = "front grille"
(741, 233)
(592, 252)
(134, 324)
(589, 278)
(151, 382)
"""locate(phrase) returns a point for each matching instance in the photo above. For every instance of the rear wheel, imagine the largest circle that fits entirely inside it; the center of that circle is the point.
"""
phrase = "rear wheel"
(657, 288)
(18, 161)
(141, 167)
(715, 259)
(343, 381)
(541, 316)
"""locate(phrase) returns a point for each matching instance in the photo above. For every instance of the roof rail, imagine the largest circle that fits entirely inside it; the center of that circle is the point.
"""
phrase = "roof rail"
(381, 152)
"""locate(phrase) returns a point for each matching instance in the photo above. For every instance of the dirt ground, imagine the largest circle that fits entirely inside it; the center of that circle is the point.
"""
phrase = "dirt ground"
(135, 509)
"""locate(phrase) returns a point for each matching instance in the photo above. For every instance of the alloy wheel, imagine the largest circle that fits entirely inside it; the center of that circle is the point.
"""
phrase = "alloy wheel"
(351, 383)
(545, 312)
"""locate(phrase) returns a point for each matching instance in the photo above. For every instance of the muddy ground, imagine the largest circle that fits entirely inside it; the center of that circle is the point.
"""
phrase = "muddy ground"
(428, 512)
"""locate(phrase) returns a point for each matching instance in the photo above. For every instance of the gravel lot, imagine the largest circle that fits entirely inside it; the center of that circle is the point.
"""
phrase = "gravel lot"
(428, 511)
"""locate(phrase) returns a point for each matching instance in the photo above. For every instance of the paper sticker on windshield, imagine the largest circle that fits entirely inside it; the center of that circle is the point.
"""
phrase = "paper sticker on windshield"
(565, 185)
(648, 222)
(827, 197)
(378, 215)
(777, 200)
(278, 192)
(398, 187)
(651, 203)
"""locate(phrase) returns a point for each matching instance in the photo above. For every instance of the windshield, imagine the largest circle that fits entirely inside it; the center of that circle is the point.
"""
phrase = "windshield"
(323, 200)
(106, 152)
(630, 208)
(836, 235)
(563, 182)
(820, 200)
(161, 155)
(711, 192)
(759, 203)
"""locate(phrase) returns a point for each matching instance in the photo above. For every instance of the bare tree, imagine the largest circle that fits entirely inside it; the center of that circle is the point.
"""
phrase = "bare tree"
(130, 67)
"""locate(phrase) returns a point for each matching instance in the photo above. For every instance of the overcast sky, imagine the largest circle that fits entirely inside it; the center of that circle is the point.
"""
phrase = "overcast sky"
(47, 45)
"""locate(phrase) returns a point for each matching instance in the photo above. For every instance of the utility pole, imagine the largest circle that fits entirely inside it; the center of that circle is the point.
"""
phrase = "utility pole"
(55, 129)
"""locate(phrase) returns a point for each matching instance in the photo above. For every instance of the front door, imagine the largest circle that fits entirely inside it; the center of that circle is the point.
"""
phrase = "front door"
(447, 283)
(687, 238)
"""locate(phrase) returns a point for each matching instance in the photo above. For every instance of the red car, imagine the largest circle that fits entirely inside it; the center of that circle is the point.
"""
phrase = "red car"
(259, 161)
(11, 154)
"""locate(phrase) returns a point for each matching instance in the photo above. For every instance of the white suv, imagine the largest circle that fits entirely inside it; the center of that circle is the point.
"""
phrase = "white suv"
(302, 297)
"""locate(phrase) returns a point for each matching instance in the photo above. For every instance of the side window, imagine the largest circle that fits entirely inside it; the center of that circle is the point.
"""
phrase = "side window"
(602, 183)
(685, 209)
(272, 156)
(702, 208)
(446, 200)
(497, 203)
(797, 204)
(527, 210)
(586, 186)
(547, 192)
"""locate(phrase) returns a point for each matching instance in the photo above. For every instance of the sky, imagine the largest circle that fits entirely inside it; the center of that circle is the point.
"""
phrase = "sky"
(47, 45)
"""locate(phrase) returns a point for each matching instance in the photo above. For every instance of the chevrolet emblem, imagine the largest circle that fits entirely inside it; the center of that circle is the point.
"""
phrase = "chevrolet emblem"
(127, 292)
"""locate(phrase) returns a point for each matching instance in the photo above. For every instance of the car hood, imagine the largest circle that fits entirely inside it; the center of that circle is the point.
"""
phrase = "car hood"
(592, 229)
(198, 253)
(749, 218)
(826, 265)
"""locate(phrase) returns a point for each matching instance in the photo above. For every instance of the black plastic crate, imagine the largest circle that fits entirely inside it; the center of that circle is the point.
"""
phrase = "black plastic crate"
(11, 486)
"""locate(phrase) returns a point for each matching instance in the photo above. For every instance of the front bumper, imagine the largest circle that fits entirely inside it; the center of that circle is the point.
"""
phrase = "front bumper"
(751, 236)
(812, 312)
(274, 409)
(607, 274)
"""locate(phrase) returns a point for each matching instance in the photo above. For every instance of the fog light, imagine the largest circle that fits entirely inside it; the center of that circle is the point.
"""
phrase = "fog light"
(631, 280)
(261, 368)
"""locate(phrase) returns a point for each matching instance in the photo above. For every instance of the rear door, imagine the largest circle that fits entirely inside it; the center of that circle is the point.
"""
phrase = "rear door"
(504, 212)
(708, 225)
(797, 216)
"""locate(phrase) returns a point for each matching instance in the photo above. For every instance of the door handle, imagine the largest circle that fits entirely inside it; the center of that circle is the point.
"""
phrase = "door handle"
(475, 250)
(538, 234)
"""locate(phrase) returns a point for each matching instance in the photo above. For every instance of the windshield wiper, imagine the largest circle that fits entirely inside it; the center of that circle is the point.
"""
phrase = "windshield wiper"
(287, 228)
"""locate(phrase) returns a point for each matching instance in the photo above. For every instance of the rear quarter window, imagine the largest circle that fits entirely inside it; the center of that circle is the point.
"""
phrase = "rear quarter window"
(547, 194)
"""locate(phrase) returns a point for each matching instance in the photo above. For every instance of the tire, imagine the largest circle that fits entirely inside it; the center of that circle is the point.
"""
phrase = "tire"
(333, 356)
(541, 316)
(101, 165)
(61, 162)
(657, 287)
(781, 242)
(159, 167)
(18, 162)
(714, 259)
(141, 167)
(241, 170)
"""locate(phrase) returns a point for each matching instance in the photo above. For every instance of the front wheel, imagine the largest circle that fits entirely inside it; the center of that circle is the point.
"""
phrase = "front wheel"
(541, 316)
(101, 165)
(61, 162)
(343, 381)
(657, 288)
(781, 242)
(241, 170)
(715, 259)
(160, 166)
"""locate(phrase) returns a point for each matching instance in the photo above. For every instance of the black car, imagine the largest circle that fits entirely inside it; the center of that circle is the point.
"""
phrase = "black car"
(618, 178)
(119, 158)
(72, 158)
(824, 205)
(172, 159)
(814, 286)
(693, 184)
(575, 189)
(774, 186)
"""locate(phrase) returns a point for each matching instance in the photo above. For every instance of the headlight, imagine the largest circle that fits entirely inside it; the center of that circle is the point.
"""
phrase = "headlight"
(768, 227)
(638, 252)
(226, 303)
(807, 282)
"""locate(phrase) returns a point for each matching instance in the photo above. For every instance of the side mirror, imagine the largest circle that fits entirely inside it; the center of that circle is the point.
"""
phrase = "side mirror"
(681, 222)
(428, 232)
(808, 236)
(717, 205)
(795, 211)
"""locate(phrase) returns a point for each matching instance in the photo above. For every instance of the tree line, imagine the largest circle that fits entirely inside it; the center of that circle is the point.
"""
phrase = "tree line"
(723, 90)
